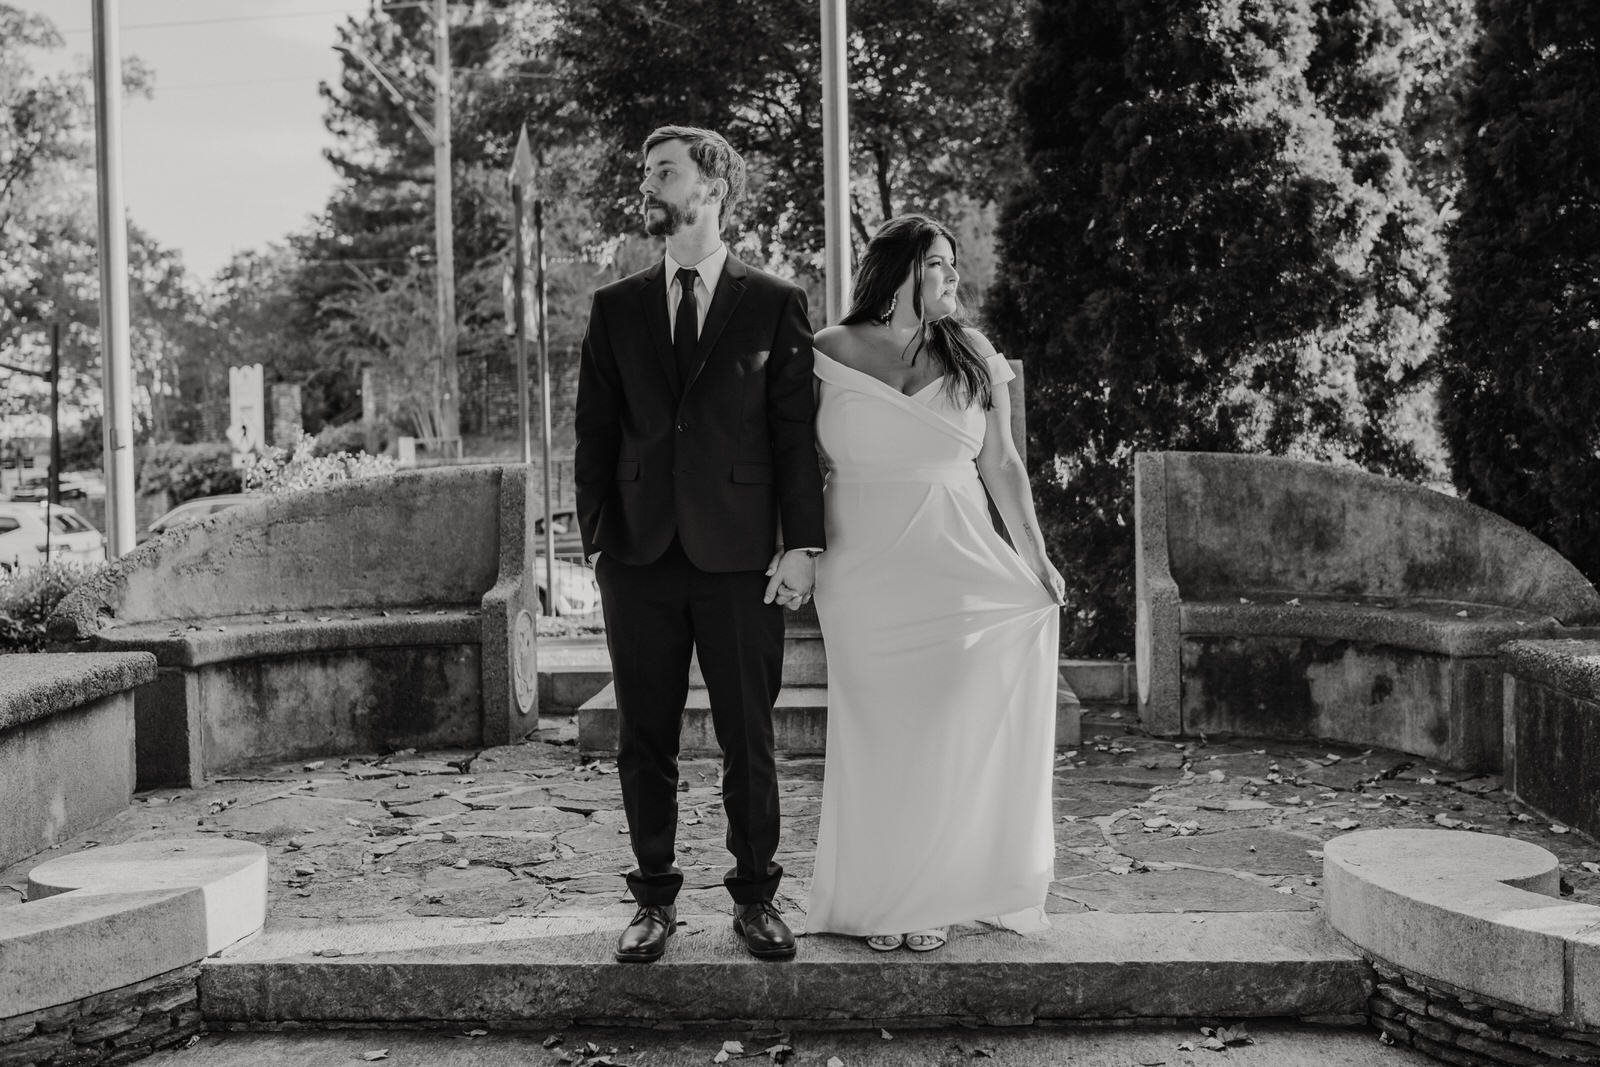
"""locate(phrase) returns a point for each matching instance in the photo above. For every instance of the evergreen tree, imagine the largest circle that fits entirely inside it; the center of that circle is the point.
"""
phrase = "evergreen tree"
(1521, 375)
(1213, 247)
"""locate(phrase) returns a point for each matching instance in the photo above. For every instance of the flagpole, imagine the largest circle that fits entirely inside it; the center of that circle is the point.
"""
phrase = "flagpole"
(835, 161)
(544, 394)
(519, 310)
(116, 369)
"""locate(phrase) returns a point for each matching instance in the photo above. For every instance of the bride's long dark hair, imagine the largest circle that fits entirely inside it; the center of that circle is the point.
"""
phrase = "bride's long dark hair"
(897, 249)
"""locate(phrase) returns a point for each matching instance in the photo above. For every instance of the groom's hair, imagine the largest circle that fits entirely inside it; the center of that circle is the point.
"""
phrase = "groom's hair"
(714, 156)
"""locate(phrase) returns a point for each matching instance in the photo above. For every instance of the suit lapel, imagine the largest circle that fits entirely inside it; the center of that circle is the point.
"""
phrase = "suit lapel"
(653, 296)
(730, 288)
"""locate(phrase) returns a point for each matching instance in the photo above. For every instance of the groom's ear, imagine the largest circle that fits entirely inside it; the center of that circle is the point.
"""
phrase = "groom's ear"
(719, 189)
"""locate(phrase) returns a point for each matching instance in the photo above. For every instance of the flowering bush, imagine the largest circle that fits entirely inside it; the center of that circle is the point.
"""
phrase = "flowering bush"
(277, 471)
(29, 596)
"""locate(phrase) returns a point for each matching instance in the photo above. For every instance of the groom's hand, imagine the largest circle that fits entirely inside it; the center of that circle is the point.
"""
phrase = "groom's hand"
(791, 577)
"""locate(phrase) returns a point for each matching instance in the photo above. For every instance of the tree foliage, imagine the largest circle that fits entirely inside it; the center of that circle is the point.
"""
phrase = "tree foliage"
(1215, 247)
(928, 107)
(1521, 376)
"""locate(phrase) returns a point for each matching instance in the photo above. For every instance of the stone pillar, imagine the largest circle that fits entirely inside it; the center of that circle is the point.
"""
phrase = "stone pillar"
(286, 420)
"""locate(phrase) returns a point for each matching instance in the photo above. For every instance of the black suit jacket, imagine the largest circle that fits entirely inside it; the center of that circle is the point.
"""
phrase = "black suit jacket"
(718, 459)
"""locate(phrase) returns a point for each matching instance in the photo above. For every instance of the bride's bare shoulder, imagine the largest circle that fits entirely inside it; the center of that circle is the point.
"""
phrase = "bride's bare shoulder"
(842, 344)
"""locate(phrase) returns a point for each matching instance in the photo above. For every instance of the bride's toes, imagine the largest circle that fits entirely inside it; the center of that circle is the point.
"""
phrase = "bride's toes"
(885, 942)
(927, 940)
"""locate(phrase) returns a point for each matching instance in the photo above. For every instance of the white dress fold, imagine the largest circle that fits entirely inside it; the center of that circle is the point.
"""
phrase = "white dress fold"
(942, 649)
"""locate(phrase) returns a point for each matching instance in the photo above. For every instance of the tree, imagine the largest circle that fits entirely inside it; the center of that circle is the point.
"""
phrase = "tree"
(1438, 41)
(928, 103)
(1213, 247)
(1521, 380)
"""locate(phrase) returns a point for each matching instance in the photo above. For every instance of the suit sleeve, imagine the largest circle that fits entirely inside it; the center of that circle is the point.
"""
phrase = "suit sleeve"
(791, 417)
(597, 422)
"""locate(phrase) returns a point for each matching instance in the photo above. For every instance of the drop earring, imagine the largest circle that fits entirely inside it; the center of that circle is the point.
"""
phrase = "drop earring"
(889, 313)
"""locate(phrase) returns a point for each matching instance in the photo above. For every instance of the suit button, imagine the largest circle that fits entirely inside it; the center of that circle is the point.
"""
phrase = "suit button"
(683, 425)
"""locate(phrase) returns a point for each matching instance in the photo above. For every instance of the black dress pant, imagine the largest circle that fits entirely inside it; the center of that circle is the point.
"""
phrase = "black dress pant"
(656, 616)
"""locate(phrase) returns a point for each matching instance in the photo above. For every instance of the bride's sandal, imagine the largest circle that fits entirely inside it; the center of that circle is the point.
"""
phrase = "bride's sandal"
(927, 940)
(885, 942)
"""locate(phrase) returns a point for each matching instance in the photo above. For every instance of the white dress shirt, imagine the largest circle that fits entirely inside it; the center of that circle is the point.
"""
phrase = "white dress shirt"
(710, 271)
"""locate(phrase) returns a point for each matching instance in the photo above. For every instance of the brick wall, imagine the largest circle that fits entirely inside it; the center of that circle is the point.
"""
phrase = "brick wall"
(114, 1027)
(1461, 1030)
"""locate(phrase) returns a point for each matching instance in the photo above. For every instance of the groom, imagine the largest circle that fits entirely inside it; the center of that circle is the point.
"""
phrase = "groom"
(695, 449)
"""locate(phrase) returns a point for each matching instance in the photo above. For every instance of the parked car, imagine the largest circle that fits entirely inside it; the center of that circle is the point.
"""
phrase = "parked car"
(27, 530)
(564, 522)
(195, 510)
(576, 590)
(72, 487)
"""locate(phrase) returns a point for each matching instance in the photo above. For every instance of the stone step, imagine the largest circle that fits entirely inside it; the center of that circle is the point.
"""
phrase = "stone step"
(556, 970)
(799, 722)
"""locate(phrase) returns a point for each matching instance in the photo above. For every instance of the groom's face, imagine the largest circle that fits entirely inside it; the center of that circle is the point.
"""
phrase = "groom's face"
(674, 191)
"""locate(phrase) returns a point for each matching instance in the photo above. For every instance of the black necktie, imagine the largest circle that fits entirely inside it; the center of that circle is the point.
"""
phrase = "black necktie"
(686, 329)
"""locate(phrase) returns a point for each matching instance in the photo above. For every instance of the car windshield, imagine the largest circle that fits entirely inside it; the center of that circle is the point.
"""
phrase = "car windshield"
(64, 523)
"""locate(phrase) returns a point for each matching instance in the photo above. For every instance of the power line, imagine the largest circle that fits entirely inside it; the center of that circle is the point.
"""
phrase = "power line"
(218, 21)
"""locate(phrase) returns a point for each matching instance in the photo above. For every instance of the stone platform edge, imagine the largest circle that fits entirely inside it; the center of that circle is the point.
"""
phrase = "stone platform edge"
(550, 970)
(1474, 939)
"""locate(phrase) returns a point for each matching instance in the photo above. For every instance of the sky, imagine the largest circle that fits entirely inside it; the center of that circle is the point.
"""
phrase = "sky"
(227, 155)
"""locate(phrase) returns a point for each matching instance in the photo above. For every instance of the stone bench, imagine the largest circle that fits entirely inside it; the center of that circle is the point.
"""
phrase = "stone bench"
(1552, 727)
(376, 614)
(66, 745)
(1284, 598)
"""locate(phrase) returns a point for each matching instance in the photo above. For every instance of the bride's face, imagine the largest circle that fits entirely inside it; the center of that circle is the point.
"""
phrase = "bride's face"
(939, 280)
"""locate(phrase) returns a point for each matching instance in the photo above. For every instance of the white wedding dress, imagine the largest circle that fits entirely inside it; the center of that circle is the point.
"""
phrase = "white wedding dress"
(942, 648)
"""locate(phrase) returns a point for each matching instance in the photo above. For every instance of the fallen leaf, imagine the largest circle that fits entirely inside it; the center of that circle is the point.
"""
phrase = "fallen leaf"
(553, 1040)
(1186, 1046)
(1447, 822)
(376, 1054)
(1590, 866)
(476, 1033)
(1346, 824)
(886, 1035)
(834, 1061)
(1557, 828)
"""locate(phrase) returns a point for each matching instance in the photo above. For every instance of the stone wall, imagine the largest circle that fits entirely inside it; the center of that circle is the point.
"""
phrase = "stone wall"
(1471, 1032)
(118, 1026)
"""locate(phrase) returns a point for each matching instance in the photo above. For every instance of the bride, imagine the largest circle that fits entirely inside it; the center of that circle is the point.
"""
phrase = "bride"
(941, 638)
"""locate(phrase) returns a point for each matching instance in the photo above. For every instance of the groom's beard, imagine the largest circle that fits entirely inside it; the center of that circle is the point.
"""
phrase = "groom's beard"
(670, 219)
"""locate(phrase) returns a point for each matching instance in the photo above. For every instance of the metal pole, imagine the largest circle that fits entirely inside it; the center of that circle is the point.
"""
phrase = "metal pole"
(443, 230)
(544, 398)
(54, 493)
(115, 365)
(835, 161)
(519, 309)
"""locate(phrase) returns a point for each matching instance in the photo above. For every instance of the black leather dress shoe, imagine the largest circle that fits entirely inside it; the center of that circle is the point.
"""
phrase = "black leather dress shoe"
(763, 931)
(645, 939)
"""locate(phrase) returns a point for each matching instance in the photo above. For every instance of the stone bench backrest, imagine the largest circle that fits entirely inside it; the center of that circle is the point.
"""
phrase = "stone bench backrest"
(1237, 524)
(414, 538)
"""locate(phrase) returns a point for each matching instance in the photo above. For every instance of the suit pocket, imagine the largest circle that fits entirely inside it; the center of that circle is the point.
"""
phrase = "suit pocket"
(752, 473)
(627, 470)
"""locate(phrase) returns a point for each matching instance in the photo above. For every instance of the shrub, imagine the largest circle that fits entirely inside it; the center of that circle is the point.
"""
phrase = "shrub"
(184, 472)
(29, 596)
(1520, 380)
(1213, 247)
(278, 471)
(345, 437)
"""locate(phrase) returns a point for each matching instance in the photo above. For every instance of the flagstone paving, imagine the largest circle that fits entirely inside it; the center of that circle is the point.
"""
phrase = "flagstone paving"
(1143, 825)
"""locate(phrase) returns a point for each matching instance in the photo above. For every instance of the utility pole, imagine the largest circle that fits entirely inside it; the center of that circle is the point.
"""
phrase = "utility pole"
(438, 134)
(444, 238)
(116, 369)
(835, 162)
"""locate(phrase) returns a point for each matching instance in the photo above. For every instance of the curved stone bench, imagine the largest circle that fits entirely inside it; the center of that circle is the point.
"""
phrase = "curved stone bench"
(1280, 597)
(376, 614)
(102, 962)
(1552, 727)
(1483, 955)
(66, 745)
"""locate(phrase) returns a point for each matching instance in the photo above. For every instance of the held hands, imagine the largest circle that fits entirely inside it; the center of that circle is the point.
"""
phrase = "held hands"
(791, 577)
